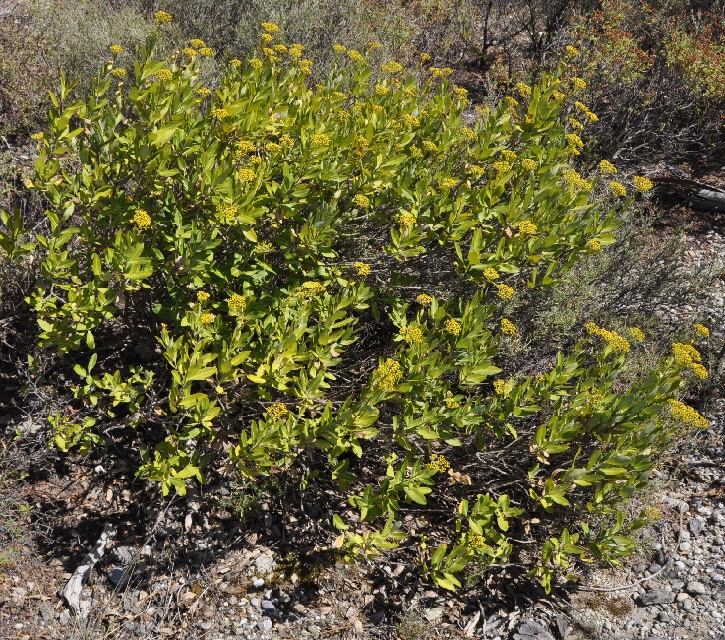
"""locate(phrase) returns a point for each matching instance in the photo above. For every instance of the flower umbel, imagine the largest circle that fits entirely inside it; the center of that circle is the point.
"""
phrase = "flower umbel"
(701, 330)
(439, 463)
(388, 374)
(142, 219)
(424, 299)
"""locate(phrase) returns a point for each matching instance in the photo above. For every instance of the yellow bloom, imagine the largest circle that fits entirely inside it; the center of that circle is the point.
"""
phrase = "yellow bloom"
(362, 268)
(273, 147)
(374, 45)
(642, 184)
(460, 92)
(118, 72)
(392, 67)
(164, 74)
(512, 102)
(270, 27)
(699, 371)
(203, 92)
(452, 326)
(381, 89)
(701, 330)
(388, 374)
(277, 410)
(425, 57)
(206, 52)
(202, 296)
(468, 133)
(263, 247)
(189, 52)
(505, 292)
(439, 463)
(197, 43)
(207, 318)
(340, 95)
(161, 17)
(246, 175)
(226, 210)
(502, 387)
(508, 155)
(243, 147)
(525, 226)
(311, 289)
(411, 121)
(491, 274)
(618, 189)
(637, 334)
(319, 140)
(591, 116)
(685, 354)
(475, 540)
(115, 49)
(475, 170)
(430, 146)
(529, 165)
(256, 63)
(607, 167)
(235, 301)
(234, 63)
(407, 220)
(440, 73)
(219, 114)
(295, 50)
(683, 413)
(416, 153)
(37, 136)
(575, 124)
(613, 339)
(280, 48)
(572, 52)
(255, 159)
(338, 48)
(524, 89)
(449, 183)
(267, 38)
(593, 245)
(424, 299)
(287, 141)
(501, 166)
(142, 219)
(574, 140)
(412, 335)
(361, 201)
(354, 55)
(508, 328)
(578, 83)
(451, 402)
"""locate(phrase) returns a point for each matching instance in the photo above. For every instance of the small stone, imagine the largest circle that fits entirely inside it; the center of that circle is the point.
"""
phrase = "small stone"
(259, 582)
(118, 577)
(298, 608)
(205, 625)
(255, 602)
(663, 616)
(640, 567)
(232, 600)
(678, 584)
(266, 604)
(685, 547)
(64, 618)
(265, 624)
(264, 563)
(695, 588)
(658, 596)
(696, 526)
(47, 613)
(654, 568)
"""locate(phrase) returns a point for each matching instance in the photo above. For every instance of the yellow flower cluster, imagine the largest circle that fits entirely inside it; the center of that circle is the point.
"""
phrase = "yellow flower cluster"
(266, 38)
(226, 210)
(372, 45)
(207, 318)
(618, 189)
(449, 183)
(575, 124)
(440, 73)
(525, 226)
(439, 463)
(425, 57)
(243, 147)
(161, 17)
(362, 141)
(355, 55)
(574, 140)
(475, 170)
(642, 184)
(699, 371)
(202, 296)
(682, 412)
(142, 219)
(115, 49)
(412, 335)
(572, 52)
(392, 67)
(264, 247)
(411, 121)
(246, 174)
(235, 301)
(305, 66)
(118, 72)
(190, 53)
(579, 83)
(203, 92)
(512, 102)
(361, 201)
(280, 48)
(311, 289)
(424, 299)
(163, 75)
(460, 92)
(206, 52)
(475, 540)
(508, 328)
(523, 89)
(270, 27)
(256, 63)
(573, 177)
(407, 219)
(340, 95)
(273, 147)
(501, 166)
(287, 141)
(219, 114)
(430, 146)
(296, 50)
(491, 274)
(509, 155)
(504, 291)
(594, 245)
(319, 140)
(451, 402)
(468, 133)
(388, 374)
(502, 387)
(37, 136)
(197, 43)
(361, 268)
(637, 334)
(338, 48)
(685, 354)
(607, 167)
(452, 326)
(277, 411)
(701, 330)
(378, 109)
(613, 339)
(529, 165)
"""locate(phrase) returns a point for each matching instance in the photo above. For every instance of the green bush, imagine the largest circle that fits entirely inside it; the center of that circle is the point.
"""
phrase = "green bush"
(331, 274)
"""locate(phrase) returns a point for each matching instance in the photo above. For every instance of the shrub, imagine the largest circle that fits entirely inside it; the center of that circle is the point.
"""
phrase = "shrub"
(331, 276)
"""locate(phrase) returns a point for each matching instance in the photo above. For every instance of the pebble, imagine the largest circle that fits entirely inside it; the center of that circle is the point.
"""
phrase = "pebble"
(265, 624)
(658, 596)
(685, 547)
(695, 588)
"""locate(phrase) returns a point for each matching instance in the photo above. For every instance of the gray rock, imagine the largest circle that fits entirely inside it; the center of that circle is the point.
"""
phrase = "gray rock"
(695, 588)
(259, 582)
(64, 618)
(677, 584)
(696, 526)
(118, 577)
(532, 630)
(658, 596)
(266, 604)
(663, 616)
(654, 567)
(125, 554)
(47, 613)
(264, 563)
(265, 624)
(685, 547)
(206, 625)
(640, 567)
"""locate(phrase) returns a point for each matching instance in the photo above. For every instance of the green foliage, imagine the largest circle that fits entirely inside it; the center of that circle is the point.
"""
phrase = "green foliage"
(254, 232)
